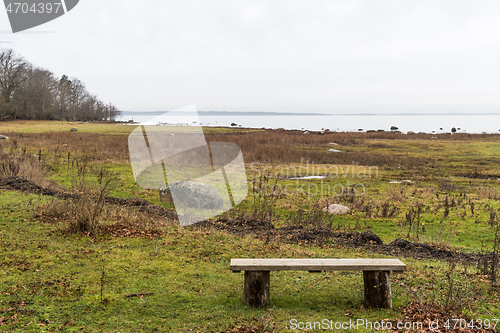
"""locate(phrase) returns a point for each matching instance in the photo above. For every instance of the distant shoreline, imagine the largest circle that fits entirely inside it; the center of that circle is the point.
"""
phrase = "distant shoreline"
(266, 113)
(224, 113)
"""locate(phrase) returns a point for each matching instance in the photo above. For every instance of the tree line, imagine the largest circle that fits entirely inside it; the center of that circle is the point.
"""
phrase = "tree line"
(30, 92)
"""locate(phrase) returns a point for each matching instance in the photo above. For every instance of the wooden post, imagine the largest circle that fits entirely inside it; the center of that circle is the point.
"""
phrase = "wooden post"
(378, 289)
(256, 289)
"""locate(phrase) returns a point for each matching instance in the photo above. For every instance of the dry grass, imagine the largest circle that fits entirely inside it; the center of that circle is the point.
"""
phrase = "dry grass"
(488, 193)
(25, 166)
(61, 147)
(114, 220)
(286, 147)
(397, 193)
(264, 146)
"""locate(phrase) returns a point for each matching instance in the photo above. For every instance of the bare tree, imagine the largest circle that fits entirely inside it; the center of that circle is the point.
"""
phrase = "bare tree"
(11, 76)
(28, 92)
(78, 93)
(113, 112)
(34, 98)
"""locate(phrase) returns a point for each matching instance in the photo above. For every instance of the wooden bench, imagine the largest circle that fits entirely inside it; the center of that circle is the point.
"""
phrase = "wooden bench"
(376, 276)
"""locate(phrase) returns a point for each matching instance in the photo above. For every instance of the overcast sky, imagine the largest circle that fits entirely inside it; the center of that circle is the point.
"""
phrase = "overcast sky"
(299, 56)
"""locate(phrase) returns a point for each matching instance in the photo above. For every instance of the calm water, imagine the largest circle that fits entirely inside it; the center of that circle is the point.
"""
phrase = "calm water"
(405, 123)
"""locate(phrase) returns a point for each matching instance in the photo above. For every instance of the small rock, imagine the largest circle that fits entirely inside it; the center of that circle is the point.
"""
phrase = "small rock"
(406, 182)
(334, 151)
(394, 128)
(234, 124)
(336, 209)
(74, 129)
(333, 143)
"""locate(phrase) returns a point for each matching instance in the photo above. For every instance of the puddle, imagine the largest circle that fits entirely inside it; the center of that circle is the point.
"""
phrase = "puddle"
(308, 177)
(405, 182)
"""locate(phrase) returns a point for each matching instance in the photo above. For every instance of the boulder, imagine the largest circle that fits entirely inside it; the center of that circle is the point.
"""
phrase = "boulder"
(3, 137)
(192, 194)
(336, 209)
(74, 129)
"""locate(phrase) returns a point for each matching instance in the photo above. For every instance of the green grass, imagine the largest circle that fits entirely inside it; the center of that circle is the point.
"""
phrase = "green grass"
(460, 229)
(47, 126)
(51, 281)
(58, 277)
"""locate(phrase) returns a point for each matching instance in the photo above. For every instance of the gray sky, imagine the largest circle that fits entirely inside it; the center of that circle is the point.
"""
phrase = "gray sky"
(299, 56)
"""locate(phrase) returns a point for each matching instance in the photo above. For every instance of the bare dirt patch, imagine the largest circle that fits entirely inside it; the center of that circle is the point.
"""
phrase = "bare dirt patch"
(319, 236)
(17, 183)
(263, 229)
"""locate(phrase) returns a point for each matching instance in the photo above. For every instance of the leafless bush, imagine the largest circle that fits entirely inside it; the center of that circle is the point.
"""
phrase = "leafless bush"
(15, 164)
(495, 263)
(114, 220)
(264, 197)
(87, 209)
(446, 297)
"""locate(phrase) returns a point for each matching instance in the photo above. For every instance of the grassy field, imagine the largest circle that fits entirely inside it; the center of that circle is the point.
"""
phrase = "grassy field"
(55, 279)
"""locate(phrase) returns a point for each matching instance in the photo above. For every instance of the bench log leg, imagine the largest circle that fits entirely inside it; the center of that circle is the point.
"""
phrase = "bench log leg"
(378, 289)
(256, 289)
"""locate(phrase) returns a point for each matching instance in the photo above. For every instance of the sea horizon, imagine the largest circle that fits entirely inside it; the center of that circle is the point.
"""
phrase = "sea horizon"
(473, 123)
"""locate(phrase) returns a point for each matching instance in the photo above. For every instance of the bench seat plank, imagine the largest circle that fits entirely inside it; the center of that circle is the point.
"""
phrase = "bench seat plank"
(238, 265)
